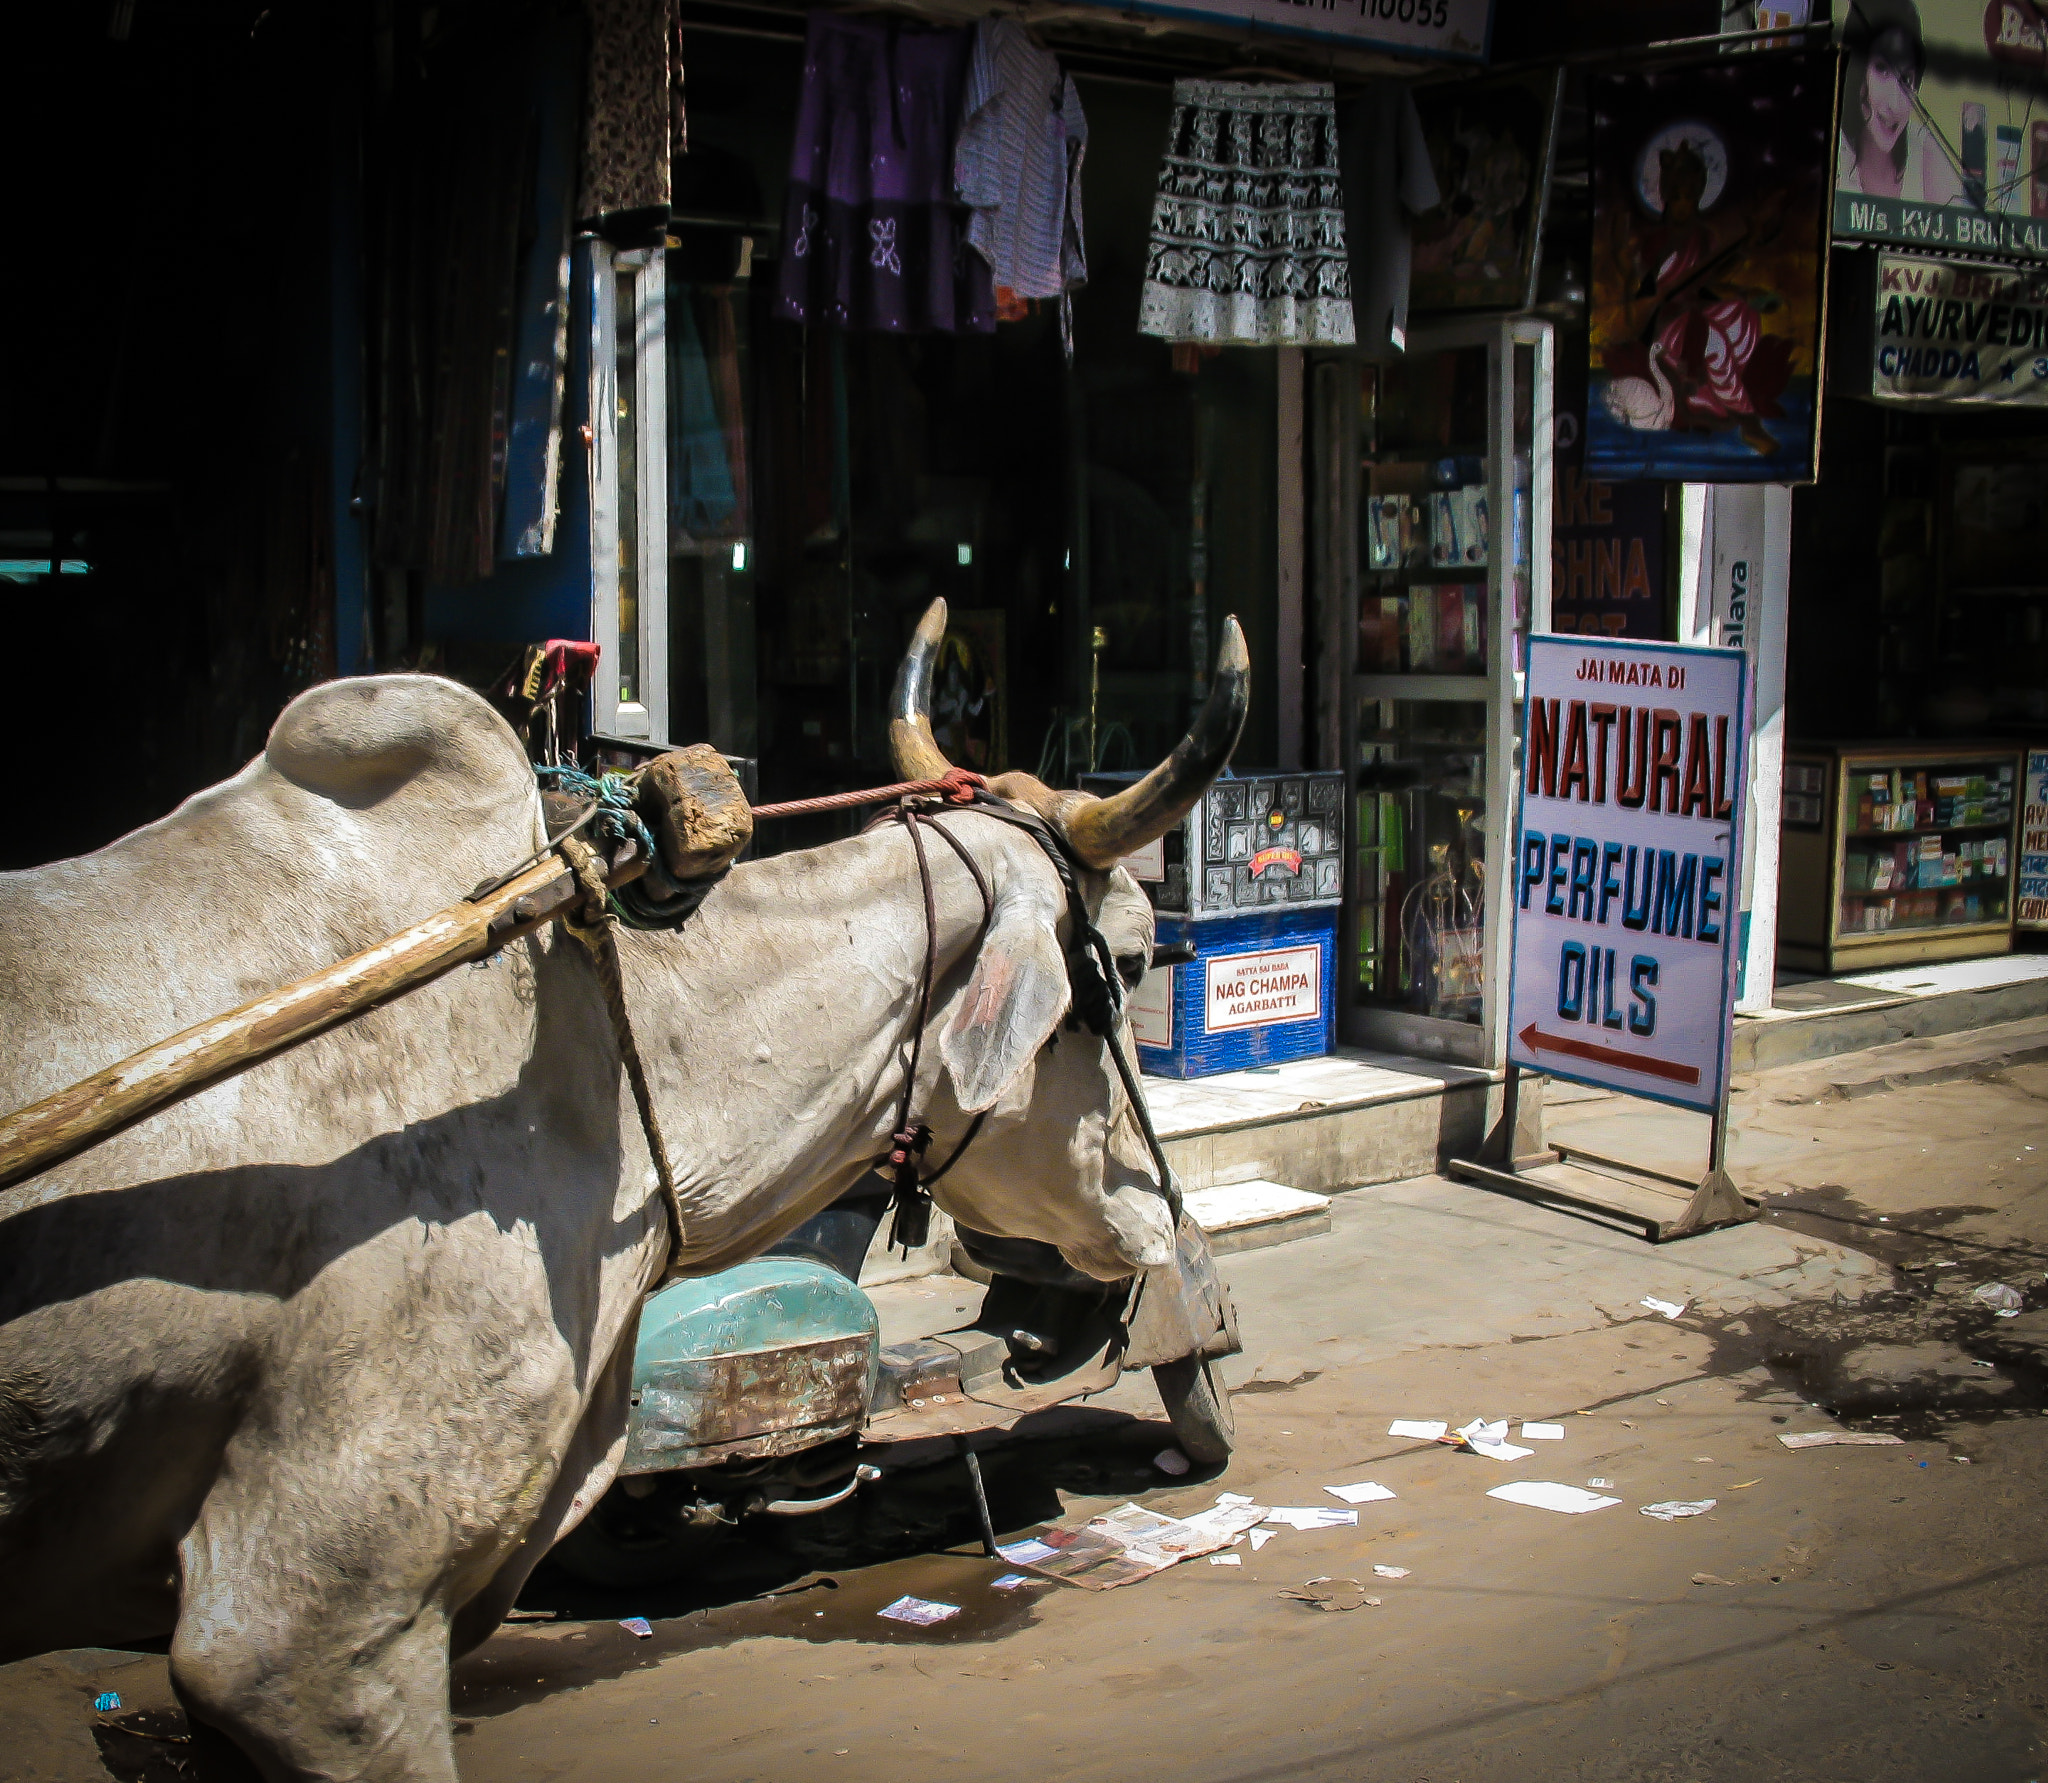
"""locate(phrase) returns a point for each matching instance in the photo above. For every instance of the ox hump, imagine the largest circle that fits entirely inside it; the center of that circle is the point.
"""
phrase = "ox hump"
(358, 741)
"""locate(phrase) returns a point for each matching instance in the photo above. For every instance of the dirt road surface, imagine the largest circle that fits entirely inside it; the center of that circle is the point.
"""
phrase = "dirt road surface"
(1854, 1613)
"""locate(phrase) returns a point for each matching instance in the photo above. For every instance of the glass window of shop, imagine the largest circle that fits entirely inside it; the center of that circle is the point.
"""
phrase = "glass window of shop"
(1089, 524)
(1434, 513)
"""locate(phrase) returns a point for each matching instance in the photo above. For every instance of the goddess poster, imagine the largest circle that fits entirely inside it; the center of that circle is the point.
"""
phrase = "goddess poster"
(1710, 215)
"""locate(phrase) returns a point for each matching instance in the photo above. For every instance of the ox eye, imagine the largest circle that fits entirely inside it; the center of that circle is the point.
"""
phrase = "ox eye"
(1130, 967)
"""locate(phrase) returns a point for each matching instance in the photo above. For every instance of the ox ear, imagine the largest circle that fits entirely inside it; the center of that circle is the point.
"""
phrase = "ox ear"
(1015, 998)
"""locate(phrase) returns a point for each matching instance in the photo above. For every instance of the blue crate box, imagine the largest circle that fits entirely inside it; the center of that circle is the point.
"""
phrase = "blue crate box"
(1260, 990)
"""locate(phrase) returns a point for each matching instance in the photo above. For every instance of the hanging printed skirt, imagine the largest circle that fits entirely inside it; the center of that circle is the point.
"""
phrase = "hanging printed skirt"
(1248, 228)
(873, 236)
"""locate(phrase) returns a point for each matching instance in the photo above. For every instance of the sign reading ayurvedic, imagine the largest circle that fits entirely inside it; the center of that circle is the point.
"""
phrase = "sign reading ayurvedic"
(1628, 866)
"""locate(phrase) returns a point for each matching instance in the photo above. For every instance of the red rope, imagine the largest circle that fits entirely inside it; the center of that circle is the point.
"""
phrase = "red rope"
(957, 787)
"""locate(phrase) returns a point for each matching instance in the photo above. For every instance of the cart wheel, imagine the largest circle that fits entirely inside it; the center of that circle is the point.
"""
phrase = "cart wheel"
(624, 1542)
(1198, 1405)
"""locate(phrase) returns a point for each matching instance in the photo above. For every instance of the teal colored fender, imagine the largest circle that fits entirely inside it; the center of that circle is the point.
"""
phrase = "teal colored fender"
(765, 1359)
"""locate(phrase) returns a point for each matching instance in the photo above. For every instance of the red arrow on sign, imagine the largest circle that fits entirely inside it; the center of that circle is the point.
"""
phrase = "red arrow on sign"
(1536, 1040)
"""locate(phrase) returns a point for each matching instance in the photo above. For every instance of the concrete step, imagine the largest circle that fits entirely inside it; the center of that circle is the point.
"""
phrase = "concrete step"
(1945, 1058)
(1824, 1018)
(1322, 1125)
(1252, 1216)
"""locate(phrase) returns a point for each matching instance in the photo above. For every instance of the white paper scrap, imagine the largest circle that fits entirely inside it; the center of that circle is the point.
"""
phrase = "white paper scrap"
(1226, 1560)
(1011, 1581)
(1484, 1430)
(1669, 1308)
(1391, 1572)
(920, 1611)
(1365, 1492)
(1543, 1433)
(1260, 1537)
(1233, 1498)
(1497, 1451)
(1422, 1429)
(1026, 1552)
(1814, 1439)
(1674, 1508)
(1313, 1516)
(1542, 1495)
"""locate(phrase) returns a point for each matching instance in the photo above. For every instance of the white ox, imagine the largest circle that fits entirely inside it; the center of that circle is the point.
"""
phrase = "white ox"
(306, 1373)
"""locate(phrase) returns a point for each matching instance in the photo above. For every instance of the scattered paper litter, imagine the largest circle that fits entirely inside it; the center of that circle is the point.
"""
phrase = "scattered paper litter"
(1710, 1579)
(1260, 1537)
(1543, 1433)
(1011, 1581)
(1226, 1560)
(1490, 1440)
(1423, 1429)
(1365, 1492)
(922, 1612)
(1741, 1485)
(1131, 1543)
(1027, 1552)
(1601, 1483)
(638, 1625)
(1669, 1308)
(1391, 1572)
(1674, 1508)
(1332, 1594)
(106, 1702)
(1171, 1461)
(1999, 1297)
(1814, 1439)
(1542, 1495)
(1233, 1498)
(1314, 1516)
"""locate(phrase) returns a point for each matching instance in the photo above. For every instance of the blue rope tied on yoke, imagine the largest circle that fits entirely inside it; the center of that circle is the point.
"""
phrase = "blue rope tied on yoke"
(654, 900)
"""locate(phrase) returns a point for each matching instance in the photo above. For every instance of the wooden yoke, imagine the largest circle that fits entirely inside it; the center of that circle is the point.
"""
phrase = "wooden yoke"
(45, 1133)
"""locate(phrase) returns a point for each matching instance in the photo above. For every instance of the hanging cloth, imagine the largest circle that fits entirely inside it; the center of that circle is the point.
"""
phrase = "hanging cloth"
(1248, 228)
(633, 125)
(1388, 182)
(1017, 166)
(873, 236)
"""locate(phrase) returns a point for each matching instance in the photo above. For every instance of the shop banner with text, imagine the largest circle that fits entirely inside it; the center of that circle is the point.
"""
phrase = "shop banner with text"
(2033, 899)
(1458, 30)
(1710, 187)
(1950, 333)
(1628, 866)
(1944, 126)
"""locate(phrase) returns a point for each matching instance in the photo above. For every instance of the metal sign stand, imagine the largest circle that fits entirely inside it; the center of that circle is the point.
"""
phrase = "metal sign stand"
(1517, 1147)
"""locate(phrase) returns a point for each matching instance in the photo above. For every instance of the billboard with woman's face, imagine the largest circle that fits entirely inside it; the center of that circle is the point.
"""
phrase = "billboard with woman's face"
(1944, 125)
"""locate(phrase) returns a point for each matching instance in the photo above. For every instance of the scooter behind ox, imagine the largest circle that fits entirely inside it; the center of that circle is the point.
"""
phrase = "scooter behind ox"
(765, 1391)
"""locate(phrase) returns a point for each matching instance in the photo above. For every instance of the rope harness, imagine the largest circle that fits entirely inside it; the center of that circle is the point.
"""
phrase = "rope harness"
(1096, 986)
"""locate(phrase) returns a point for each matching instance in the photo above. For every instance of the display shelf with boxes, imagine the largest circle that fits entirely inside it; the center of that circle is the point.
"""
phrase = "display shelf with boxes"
(1892, 855)
(1249, 882)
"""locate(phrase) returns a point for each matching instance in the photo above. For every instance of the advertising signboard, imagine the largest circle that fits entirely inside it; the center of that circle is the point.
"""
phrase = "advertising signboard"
(1949, 333)
(2032, 912)
(1710, 212)
(1628, 863)
(1942, 143)
(1458, 30)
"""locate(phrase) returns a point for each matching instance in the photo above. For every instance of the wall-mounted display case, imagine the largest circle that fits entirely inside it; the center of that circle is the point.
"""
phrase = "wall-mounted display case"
(1433, 507)
(1896, 854)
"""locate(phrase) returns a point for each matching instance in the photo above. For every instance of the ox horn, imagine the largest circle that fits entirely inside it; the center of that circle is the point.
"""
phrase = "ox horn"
(1103, 831)
(917, 752)
(1099, 831)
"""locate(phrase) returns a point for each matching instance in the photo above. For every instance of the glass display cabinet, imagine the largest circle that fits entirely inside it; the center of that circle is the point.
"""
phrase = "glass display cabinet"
(1434, 506)
(1896, 855)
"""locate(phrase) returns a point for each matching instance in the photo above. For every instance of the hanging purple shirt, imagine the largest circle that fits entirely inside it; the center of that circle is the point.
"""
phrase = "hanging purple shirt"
(872, 236)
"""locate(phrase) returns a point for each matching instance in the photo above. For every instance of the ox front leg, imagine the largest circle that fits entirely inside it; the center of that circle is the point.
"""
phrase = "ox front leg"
(311, 1674)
